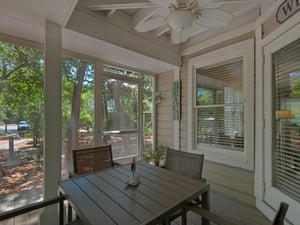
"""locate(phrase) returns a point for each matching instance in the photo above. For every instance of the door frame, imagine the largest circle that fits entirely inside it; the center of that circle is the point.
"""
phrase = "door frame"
(272, 195)
(98, 105)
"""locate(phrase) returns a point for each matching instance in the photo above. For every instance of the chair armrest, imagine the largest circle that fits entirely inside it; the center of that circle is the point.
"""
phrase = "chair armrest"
(33, 206)
(72, 174)
(203, 180)
(209, 215)
(116, 163)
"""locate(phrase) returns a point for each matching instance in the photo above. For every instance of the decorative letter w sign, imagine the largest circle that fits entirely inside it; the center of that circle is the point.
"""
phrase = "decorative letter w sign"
(287, 9)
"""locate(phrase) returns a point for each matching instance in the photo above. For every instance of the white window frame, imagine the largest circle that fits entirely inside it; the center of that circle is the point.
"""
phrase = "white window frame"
(243, 159)
(272, 195)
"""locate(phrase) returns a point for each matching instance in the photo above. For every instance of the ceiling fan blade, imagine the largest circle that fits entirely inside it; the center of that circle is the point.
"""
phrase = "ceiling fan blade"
(150, 24)
(213, 17)
(178, 37)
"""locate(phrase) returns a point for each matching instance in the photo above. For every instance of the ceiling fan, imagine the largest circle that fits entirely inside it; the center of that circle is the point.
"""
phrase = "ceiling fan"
(183, 14)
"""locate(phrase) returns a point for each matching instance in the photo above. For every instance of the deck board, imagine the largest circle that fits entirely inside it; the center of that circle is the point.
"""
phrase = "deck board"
(229, 208)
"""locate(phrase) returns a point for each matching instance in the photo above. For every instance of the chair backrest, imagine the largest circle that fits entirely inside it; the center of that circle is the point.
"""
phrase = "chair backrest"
(280, 215)
(185, 163)
(92, 159)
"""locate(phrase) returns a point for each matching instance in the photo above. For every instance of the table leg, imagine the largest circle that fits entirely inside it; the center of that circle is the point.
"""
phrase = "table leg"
(183, 216)
(166, 222)
(205, 204)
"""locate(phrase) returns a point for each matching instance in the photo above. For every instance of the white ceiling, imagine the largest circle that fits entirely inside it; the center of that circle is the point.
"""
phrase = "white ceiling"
(140, 11)
(105, 28)
(37, 11)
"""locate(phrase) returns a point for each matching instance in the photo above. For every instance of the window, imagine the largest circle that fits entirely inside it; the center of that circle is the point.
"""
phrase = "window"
(219, 105)
(286, 132)
(221, 121)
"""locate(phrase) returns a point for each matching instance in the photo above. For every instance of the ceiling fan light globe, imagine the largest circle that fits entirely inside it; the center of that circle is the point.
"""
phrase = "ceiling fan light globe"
(180, 20)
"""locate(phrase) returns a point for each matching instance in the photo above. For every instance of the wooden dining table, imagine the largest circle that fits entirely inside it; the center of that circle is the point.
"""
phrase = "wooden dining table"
(106, 198)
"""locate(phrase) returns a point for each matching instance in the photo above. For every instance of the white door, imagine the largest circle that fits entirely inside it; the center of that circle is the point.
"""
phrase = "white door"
(282, 117)
(121, 115)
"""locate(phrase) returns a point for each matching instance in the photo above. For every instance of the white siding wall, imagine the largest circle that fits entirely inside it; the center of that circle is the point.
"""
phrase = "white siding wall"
(164, 114)
(231, 181)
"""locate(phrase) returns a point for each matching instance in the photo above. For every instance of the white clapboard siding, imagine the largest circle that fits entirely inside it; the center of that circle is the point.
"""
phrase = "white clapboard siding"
(164, 115)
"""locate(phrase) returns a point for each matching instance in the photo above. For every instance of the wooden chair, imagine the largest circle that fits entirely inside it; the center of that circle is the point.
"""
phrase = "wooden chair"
(216, 219)
(89, 160)
(187, 164)
(92, 159)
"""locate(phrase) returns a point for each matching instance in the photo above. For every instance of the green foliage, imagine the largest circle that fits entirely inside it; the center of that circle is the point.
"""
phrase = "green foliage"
(21, 85)
(155, 155)
(295, 85)
(21, 82)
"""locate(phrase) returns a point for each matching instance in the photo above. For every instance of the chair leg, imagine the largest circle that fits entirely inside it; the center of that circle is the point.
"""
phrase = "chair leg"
(166, 222)
(69, 213)
(61, 212)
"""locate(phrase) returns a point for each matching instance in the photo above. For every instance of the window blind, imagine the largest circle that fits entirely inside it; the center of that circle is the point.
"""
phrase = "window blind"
(219, 105)
(286, 132)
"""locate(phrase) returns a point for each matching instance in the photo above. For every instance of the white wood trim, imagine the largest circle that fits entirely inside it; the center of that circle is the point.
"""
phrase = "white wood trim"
(219, 39)
(266, 14)
(52, 120)
(259, 119)
(190, 81)
(158, 48)
(272, 195)
(285, 27)
(261, 140)
(246, 50)
(98, 117)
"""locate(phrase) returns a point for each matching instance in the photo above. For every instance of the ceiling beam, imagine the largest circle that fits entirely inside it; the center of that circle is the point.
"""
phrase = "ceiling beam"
(115, 4)
(234, 1)
(105, 30)
(111, 12)
(142, 15)
(160, 31)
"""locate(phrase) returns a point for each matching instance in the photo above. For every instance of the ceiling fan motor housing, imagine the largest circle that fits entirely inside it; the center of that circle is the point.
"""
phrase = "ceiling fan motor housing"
(180, 20)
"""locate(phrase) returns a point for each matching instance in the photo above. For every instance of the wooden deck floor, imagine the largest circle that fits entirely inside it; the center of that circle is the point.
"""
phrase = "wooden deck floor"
(233, 210)
(236, 211)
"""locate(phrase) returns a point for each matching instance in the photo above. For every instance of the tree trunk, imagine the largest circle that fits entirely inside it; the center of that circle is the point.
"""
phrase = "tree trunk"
(122, 119)
(2, 172)
(75, 112)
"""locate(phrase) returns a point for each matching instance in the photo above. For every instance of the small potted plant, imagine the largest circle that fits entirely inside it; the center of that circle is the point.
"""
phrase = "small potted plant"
(156, 155)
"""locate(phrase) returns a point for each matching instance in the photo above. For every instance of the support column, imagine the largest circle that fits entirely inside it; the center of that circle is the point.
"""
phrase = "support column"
(52, 120)
(98, 117)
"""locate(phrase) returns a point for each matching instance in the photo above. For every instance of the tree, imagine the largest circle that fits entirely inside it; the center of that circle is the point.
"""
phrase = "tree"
(75, 109)
(21, 85)
(78, 79)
